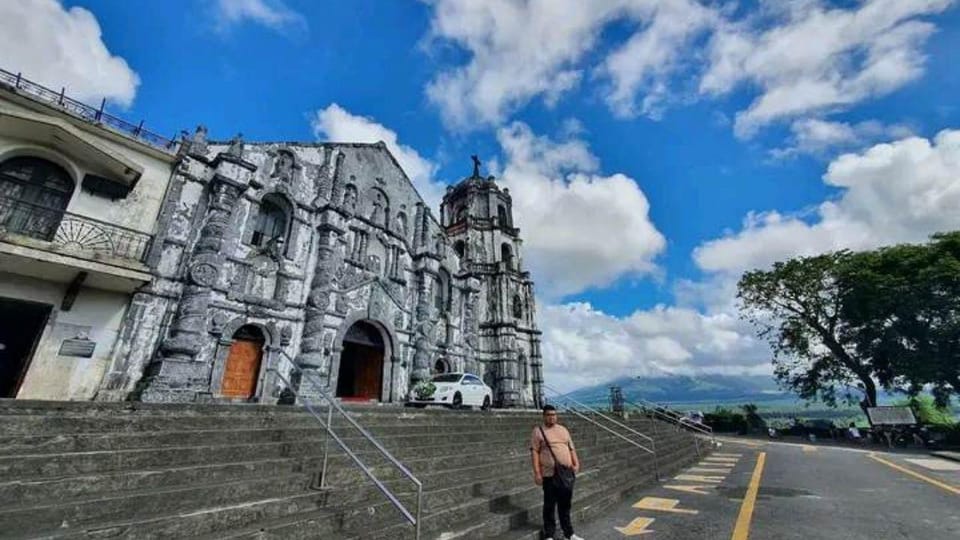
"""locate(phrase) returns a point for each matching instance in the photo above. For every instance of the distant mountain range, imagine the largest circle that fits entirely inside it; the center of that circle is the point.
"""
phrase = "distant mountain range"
(688, 389)
(700, 389)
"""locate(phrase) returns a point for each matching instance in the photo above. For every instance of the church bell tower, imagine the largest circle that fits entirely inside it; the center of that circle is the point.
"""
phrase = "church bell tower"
(478, 218)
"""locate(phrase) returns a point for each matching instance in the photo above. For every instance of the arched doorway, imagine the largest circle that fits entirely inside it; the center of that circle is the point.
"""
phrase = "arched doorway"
(441, 366)
(243, 363)
(361, 363)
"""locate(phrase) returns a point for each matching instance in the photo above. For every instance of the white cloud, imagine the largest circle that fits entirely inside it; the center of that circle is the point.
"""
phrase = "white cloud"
(581, 229)
(586, 346)
(63, 48)
(645, 63)
(519, 51)
(273, 14)
(812, 58)
(336, 124)
(894, 192)
(820, 137)
(800, 58)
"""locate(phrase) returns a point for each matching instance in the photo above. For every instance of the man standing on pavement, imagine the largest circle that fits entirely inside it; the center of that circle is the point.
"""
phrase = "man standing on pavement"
(551, 446)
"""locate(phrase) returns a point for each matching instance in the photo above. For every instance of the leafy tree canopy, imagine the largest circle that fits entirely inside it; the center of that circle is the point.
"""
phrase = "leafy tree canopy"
(843, 324)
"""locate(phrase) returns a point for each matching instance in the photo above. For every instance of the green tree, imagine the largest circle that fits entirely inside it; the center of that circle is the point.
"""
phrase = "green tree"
(904, 302)
(754, 421)
(928, 412)
(798, 307)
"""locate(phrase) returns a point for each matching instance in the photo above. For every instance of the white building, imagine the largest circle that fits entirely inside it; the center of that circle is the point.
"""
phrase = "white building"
(80, 193)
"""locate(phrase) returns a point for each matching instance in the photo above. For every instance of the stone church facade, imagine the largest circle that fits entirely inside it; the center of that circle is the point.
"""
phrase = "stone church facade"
(324, 256)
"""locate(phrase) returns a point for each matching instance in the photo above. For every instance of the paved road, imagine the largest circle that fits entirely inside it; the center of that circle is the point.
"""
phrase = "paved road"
(799, 492)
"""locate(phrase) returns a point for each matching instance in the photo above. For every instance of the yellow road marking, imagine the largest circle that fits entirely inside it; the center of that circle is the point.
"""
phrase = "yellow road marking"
(742, 529)
(699, 478)
(691, 489)
(947, 487)
(751, 444)
(663, 505)
(636, 527)
(724, 454)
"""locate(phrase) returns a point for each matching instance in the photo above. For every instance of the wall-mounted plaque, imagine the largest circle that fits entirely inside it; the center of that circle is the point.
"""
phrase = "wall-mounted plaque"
(82, 348)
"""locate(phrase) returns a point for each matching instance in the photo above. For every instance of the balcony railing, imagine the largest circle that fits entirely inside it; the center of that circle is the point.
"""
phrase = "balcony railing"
(72, 233)
(86, 112)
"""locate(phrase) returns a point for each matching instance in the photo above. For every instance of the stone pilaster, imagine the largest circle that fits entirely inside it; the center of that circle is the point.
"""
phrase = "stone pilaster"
(312, 356)
(176, 375)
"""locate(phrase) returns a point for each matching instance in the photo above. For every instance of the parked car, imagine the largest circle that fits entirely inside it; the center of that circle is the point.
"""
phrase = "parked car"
(453, 390)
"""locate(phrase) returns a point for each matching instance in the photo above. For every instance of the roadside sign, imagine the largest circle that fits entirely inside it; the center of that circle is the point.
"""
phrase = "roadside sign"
(891, 416)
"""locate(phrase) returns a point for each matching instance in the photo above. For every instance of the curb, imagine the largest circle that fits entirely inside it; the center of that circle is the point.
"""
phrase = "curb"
(953, 456)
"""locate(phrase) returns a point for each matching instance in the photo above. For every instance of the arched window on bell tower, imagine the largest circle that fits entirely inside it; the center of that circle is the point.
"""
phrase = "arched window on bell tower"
(502, 216)
(506, 255)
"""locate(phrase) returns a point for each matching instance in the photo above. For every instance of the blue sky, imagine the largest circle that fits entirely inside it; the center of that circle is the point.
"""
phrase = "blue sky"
(668, 145)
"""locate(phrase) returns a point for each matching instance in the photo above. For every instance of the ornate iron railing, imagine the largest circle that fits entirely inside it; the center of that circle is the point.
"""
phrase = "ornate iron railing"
(70, 232)
(86, 112)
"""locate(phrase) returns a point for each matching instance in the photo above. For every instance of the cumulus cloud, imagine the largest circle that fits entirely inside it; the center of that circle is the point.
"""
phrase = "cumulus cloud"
(800, 58)
(334, 123)
(519, 51)
(818, 137)
(581, 229)
(586, 346)
(806, 57)
(273, 14)
(901, 191)
(644, 65)
(60, 47)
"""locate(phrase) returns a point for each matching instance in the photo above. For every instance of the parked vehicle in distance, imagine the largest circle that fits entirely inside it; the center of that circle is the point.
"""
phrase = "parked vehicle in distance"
(453, 390)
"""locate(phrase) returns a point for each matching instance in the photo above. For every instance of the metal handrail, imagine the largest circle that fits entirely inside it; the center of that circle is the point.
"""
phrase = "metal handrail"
(334, 405)
(598, 413)
(673, 416)
(653, 444)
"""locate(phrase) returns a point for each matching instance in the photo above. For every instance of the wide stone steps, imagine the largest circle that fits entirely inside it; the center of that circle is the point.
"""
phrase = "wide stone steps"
(178, 500)
(131, 470)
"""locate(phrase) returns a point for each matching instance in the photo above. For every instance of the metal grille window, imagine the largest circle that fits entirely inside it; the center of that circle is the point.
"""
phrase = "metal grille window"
(33, 195)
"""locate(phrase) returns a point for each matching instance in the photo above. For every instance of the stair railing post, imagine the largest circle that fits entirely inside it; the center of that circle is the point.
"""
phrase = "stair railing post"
(419, 506)
(326, 446)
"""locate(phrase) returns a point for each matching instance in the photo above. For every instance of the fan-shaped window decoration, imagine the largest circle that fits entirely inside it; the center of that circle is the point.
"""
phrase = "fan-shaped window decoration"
(517, 307)
(506, 255)
(34, 193)
(271, 223)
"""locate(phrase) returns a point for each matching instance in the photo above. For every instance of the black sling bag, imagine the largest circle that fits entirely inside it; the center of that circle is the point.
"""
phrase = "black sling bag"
(563, 476)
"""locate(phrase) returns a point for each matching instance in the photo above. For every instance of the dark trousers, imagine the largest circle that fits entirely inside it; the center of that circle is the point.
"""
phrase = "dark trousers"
(556, 499)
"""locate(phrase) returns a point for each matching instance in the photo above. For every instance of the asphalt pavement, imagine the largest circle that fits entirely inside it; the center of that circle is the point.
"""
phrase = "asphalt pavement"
(760, 490)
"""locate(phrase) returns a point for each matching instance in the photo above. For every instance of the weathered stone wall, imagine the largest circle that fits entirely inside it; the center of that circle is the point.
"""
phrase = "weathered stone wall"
(361, 246)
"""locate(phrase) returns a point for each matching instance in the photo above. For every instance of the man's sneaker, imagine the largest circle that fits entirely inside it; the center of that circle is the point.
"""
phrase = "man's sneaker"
(575, 537)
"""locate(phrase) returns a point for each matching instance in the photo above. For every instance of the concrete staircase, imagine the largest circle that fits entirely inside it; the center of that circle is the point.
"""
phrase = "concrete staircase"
(143, 471)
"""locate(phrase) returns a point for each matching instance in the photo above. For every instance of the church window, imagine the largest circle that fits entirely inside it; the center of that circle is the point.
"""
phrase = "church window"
(461, 248)
(34, 193)
(502, 215)
(270, 225)
(441, 297)
(461, 214)
(506, 255)
(517, 307)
